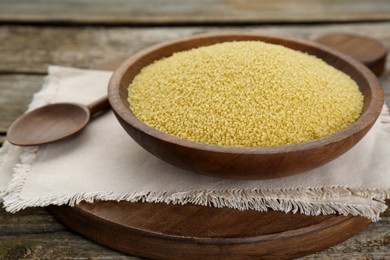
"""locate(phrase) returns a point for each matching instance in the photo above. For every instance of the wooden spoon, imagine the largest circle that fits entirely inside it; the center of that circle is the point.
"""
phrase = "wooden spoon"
(53, 122)
(58, 121)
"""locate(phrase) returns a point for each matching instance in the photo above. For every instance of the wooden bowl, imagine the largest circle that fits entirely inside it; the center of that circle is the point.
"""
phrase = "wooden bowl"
(244, 162)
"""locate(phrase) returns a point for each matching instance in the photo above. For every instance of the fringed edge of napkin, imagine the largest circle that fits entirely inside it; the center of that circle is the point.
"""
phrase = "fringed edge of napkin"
(310, 201)
(287, 200)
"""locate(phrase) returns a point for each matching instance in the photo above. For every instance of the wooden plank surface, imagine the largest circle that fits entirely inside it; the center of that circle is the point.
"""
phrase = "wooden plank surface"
(16, 92)
(30, 49)
(191, 12)
(33, 233)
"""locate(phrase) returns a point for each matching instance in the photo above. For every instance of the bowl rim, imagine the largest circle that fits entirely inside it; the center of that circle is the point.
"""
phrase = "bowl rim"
(366, 119)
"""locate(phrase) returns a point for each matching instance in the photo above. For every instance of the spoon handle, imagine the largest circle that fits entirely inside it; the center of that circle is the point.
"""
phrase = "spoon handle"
(98, 105)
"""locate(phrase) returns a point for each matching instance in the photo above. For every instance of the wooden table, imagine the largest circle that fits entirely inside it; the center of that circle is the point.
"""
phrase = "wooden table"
(34, 34)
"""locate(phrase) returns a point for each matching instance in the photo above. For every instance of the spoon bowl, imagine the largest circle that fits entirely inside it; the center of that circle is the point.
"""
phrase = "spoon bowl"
(48, 123)
(52, 123)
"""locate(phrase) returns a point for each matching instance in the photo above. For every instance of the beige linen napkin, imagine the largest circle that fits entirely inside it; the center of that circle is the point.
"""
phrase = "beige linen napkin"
(104, 163)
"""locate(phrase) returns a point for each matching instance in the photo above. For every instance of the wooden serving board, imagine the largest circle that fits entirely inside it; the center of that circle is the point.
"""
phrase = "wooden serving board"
(157, 230)
(165, 231)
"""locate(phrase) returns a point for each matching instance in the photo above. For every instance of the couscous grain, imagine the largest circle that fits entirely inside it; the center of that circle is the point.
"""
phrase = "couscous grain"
(246, 93)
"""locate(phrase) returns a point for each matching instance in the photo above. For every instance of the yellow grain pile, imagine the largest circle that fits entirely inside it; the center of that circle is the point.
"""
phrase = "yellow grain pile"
(245, 93)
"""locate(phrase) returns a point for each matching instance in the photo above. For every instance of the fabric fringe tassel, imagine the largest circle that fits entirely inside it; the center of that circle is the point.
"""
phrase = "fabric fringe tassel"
(305, 201)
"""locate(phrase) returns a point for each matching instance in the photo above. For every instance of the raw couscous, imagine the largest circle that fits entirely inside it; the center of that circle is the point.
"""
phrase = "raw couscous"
(246, 93)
